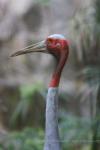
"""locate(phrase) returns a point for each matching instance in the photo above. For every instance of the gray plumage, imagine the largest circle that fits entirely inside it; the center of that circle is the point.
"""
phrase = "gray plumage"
(52, 140)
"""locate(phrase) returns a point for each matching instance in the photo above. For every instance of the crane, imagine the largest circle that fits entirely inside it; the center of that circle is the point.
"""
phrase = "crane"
(58, 46)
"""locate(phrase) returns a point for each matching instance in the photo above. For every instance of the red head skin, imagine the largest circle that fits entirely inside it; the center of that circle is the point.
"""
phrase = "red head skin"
(60, 49)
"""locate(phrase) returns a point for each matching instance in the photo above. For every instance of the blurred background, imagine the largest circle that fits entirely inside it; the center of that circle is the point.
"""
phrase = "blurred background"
(24, 79)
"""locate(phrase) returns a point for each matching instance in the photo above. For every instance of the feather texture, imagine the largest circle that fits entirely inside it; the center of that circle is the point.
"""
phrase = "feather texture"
(52, 140)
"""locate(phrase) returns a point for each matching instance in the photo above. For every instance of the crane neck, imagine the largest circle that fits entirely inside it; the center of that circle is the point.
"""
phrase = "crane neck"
(58, 70)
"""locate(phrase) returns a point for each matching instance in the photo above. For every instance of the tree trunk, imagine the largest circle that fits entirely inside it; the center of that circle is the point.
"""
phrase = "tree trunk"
(96, 127)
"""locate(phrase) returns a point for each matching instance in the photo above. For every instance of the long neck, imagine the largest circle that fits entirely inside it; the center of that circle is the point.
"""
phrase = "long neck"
(52, 141)
(57, 73)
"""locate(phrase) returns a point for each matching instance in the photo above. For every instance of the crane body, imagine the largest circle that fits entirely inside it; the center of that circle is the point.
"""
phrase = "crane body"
(57, 46)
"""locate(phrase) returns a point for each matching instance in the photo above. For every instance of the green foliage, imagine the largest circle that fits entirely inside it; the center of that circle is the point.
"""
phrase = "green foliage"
(44, 2)
(28, 139)
(97, 8)
(28, 95)
(28, 90)
(74, 131)
(91, 75)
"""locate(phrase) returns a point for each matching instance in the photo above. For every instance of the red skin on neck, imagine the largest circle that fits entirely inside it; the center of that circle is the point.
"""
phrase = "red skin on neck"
(61, 55)
(55, 81)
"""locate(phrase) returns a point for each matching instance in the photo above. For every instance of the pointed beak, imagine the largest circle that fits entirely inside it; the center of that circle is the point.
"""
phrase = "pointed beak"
(38, 47)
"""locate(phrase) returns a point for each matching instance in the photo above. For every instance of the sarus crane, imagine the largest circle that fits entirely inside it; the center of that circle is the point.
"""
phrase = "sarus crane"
(58, 46)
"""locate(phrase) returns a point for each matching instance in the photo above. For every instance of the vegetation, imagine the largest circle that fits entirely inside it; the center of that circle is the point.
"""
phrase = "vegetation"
(74, 131)
(28, 139)
(79, 103)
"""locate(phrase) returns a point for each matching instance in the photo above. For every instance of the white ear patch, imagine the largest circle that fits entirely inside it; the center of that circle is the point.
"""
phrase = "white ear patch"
(57, 36)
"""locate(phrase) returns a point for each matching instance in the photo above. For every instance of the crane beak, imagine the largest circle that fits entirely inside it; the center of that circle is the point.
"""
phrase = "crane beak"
(38, 47)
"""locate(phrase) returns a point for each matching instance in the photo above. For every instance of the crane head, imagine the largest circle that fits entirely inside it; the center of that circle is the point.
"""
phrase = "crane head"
(55, 44)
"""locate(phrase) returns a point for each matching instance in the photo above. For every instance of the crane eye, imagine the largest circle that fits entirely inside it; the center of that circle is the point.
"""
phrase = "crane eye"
(58, 45)
(49, 42)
